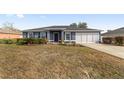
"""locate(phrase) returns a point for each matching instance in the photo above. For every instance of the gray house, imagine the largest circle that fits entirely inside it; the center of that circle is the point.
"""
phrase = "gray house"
(114, 33)
(65, 33)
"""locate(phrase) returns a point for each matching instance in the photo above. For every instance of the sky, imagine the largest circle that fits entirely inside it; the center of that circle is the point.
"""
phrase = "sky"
(96, 21)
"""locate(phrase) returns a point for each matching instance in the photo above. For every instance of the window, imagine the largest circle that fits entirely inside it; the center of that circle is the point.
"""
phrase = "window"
(36, 35)
(51, 35)
(72, 35)
(25, 34)
(30, 34)
(67, 36)
(43, 34)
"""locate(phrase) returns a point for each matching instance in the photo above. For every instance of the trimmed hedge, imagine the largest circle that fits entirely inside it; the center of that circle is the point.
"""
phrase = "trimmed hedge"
(8, 41)
(23, 41)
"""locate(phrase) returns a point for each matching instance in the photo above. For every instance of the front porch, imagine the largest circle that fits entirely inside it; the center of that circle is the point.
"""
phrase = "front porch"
(55, 36)
(58, 36)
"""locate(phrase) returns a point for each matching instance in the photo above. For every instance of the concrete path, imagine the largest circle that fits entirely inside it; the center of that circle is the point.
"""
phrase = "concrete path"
(110, 49)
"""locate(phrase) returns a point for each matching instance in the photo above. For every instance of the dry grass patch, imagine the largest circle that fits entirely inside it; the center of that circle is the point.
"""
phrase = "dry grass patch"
(56, 61)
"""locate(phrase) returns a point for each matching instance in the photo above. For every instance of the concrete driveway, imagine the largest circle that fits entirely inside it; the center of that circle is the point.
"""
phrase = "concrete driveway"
(110, 49)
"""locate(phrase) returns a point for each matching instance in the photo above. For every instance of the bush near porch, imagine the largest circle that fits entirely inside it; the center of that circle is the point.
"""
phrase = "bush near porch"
(113, 40)
(31, 41)
(23, 41)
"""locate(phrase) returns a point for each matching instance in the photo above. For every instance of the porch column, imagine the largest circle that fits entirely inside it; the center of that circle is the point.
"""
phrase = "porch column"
(48, 35)
(28, 35)
(65, 36)
(62, 36)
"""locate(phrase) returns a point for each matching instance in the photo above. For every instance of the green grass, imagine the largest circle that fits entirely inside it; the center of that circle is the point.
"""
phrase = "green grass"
(56, 61)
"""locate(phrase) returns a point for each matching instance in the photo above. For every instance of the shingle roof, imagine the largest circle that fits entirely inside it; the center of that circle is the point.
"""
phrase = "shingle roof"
(116, 32)
(57, 26)
(46, 28)
(81, 29)
(72, 28)
(10, 31)
(66, 28)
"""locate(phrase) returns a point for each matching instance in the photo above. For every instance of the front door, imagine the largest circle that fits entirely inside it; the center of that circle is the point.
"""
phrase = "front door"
(56, 37)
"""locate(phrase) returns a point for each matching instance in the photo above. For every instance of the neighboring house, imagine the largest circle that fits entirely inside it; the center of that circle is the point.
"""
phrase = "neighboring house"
(10, 33)
(64, 33)
(114, 33)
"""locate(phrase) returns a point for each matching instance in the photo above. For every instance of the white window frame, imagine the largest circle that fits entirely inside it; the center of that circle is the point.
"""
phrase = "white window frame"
(66, 35)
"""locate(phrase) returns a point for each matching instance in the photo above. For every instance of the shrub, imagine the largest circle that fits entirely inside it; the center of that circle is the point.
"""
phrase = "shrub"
(24, 41)
(44, 41)
(36, 41)
(7, 41)
(107, 40)
(119, 40)
(21, 42)
(31, 41)
(1, 41)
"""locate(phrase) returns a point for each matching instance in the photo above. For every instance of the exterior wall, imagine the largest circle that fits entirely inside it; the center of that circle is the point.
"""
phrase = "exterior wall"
(9, 36)
(71, 36)
(50, 35)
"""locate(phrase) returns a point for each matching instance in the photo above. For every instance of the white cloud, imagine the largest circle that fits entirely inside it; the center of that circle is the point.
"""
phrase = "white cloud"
(20, 15)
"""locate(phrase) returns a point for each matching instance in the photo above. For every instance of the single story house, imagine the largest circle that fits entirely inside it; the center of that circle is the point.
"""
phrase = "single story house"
(64, 33)
(10, 33)
(114, 33)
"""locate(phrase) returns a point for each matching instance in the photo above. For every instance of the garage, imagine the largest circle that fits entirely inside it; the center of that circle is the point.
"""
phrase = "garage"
(87, 38)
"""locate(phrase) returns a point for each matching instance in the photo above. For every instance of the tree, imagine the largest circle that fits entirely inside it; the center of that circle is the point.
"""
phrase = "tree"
(74, 25)
(7, 25)
(82, 25)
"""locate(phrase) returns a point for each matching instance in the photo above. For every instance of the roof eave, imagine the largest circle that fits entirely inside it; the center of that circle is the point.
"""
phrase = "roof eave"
(83, 30)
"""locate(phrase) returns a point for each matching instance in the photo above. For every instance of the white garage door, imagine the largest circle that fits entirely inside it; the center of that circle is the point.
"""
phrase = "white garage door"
(84, 38)
(87, 37)
(78, 38)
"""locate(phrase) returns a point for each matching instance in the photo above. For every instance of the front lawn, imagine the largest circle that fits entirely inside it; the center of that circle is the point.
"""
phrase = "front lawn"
(57, 61)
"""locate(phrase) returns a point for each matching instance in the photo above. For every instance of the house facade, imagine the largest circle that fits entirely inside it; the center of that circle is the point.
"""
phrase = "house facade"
(64, 33)
(10, 34)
